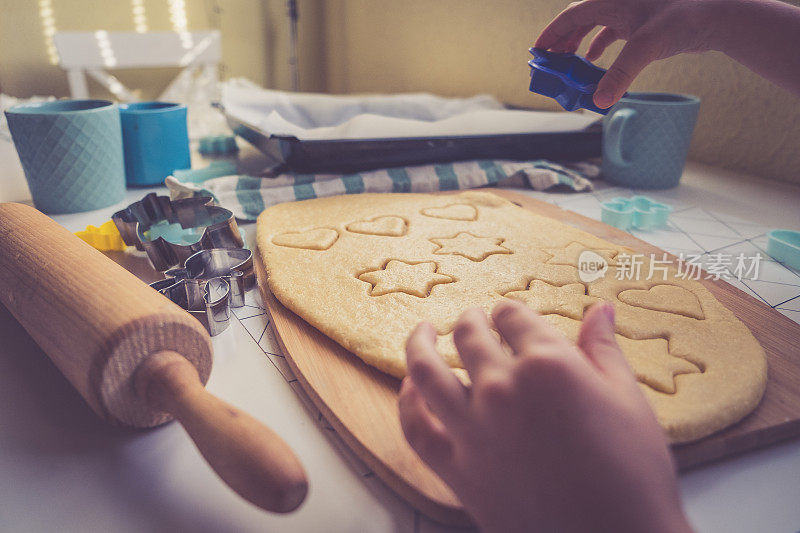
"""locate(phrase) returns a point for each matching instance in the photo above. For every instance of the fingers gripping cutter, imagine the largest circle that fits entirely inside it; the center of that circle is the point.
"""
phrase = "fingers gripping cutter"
(569, 79)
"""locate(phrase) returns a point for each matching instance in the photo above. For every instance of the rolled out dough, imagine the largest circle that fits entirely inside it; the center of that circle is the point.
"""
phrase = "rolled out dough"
(365, 269)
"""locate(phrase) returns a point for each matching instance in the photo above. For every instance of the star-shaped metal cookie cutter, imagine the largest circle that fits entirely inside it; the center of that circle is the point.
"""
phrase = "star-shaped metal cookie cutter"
(210, 283)
(216, 228)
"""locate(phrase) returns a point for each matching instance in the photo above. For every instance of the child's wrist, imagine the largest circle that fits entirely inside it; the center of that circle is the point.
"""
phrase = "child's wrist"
(718, 18)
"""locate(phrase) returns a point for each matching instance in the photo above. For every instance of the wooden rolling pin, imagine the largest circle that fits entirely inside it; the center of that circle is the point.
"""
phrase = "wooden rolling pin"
(135, 357)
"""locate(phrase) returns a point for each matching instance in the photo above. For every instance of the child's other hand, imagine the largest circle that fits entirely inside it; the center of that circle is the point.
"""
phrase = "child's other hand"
(551, 437)
(654, 29)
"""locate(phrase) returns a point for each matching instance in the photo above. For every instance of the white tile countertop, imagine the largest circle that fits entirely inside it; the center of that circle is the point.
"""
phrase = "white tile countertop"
(63, 469)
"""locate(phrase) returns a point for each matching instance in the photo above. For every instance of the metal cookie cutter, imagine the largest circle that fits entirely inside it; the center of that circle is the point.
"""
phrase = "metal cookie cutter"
(210, 283)
(170, 232)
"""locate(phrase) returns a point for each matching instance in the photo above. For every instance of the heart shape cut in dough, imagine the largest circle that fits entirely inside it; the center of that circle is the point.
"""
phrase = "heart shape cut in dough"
(387, 226)
(452, 212)
(313, 239)
(665, 298)
(354, 297)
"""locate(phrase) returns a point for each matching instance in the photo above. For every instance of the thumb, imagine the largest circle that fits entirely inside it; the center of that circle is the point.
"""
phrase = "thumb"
(635, 55)
(597, 341)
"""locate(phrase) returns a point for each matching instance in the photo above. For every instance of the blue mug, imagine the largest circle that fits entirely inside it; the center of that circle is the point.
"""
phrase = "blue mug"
(646, 139)
(71, 152)
(156, 141)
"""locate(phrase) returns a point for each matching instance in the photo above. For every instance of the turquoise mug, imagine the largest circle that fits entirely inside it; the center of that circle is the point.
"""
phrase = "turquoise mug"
(71, 152)
(156, 141)
(646, 139)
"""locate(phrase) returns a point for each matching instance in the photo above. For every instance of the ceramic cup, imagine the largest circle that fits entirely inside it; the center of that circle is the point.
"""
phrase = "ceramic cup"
(71, 152)
(646, 139)
(156, 141)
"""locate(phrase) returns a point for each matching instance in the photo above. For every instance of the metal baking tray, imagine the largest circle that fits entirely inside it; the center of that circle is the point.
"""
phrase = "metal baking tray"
(354, 155)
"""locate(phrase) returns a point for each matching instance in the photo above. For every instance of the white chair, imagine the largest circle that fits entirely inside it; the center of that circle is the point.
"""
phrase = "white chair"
(80, 54)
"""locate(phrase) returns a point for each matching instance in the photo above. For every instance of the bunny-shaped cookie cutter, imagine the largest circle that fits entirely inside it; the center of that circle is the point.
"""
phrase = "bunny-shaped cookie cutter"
(210, 283)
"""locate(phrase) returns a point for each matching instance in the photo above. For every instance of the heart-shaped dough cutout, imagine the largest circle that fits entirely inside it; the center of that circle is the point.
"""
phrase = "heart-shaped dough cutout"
(665, 298)
(452, 212)
(368, 293)
(387, 226)
(313, 239)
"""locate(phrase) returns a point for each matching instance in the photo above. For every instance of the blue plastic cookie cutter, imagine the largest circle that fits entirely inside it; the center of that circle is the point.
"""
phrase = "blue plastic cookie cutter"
(215, 169)
(639, 212)
(567, 78)
(218, 145)
(784, 246)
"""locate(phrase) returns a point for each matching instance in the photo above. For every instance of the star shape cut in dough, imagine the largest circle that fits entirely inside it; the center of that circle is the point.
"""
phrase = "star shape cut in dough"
(566, 300)
(416, 279)
(569, 255)
(470, 246)
(652, 363)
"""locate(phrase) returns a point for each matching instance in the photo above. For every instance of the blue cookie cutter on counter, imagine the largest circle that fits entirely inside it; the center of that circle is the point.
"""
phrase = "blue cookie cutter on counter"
(569, 79)
(784, 246)
(639, 212)
(218, 145)
(215, 169)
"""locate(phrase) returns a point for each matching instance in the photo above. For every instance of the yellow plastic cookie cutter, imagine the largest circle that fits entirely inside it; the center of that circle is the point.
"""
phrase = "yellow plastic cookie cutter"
(105, 238)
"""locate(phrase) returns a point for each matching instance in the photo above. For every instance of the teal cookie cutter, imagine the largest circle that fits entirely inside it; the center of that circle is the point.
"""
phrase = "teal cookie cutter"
(218, 145)
(639, 212)
(784, 246)
(216, 169)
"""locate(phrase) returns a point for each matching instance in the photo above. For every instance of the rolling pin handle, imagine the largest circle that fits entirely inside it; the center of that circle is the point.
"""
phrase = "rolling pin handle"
(253, 460)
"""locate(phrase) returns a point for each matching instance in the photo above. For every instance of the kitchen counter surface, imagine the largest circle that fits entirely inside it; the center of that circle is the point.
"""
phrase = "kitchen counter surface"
(63, 469)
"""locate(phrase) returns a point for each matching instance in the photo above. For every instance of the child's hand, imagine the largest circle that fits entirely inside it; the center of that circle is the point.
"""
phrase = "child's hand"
(552, 437)
(763, 35)
(654, 29)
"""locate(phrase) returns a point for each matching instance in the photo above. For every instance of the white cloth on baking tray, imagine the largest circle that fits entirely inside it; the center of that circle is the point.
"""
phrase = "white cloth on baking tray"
(309, 116)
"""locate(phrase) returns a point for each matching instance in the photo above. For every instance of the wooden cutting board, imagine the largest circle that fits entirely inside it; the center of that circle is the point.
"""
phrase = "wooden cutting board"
(360, 402)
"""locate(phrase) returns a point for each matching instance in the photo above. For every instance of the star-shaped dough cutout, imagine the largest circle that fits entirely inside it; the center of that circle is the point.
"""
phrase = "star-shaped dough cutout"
(569, 254)
(652, 363)
(416, 279)
(470, 246)
(566, 300)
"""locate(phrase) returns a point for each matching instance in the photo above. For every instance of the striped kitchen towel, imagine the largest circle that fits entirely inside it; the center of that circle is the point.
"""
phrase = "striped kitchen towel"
(247, 196)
